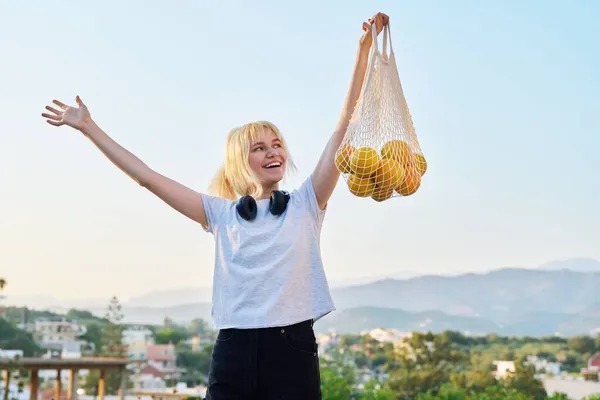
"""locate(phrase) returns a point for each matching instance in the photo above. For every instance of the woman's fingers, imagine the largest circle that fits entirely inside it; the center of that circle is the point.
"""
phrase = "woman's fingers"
(55, 123)
(52, 116)
(56, 117)
(380, 19)
(54, 110)
(61, 105)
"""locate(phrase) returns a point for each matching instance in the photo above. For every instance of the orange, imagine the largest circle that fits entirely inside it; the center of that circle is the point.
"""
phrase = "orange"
(398, 150)
(364, 162)
(421, 163)
(342, 158)
(412, 181)
(361, 187)
(389, 175)
(382, 194)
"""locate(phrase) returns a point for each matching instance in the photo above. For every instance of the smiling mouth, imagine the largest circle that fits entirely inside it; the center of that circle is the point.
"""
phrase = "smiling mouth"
(273, 165)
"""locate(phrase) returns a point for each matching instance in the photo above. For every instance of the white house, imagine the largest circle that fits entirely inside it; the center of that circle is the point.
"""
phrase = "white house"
(58, 334)
(504, 368)
(388, 335)
(543, 365)
(138, 334)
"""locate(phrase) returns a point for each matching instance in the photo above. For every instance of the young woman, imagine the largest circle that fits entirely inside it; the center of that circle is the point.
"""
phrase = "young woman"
(269, 284)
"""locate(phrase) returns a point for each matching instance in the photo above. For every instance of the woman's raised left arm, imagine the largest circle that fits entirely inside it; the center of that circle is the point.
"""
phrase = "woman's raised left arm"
(325, 175)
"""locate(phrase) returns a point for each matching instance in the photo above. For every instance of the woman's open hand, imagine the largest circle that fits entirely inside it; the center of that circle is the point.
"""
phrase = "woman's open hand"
(380, 20)
(75, 117)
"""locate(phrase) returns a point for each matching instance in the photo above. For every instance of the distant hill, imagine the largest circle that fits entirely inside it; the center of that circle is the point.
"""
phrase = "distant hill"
(502, 296)
(559, 297)
(201, 294)
(356, 320)
(572, 264)
(172, 297)
(182, 313)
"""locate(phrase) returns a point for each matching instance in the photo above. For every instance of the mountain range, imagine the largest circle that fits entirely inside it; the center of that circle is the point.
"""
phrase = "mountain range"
(558, 297)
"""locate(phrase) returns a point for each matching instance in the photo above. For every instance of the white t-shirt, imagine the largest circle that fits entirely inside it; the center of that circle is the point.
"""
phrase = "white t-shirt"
(268, 272)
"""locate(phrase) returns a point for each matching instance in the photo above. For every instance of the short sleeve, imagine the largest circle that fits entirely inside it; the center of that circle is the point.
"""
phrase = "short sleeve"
(215, 209)
(306, 196)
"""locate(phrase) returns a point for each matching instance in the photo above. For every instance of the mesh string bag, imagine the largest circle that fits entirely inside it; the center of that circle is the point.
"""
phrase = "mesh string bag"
(380, 156)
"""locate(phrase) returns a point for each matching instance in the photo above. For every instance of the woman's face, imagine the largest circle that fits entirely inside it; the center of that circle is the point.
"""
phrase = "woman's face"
(267, 158)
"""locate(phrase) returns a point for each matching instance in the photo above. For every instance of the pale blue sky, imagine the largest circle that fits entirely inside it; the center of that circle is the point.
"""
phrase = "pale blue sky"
(504, 96)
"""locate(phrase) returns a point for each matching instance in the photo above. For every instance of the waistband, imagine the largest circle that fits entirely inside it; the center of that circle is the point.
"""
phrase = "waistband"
(309, 323)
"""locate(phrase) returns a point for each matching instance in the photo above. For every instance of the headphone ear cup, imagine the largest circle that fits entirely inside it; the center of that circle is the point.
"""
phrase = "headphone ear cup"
(246, 208)
(278, 202)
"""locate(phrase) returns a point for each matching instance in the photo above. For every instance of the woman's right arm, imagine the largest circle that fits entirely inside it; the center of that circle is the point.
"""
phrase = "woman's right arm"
(183, 199)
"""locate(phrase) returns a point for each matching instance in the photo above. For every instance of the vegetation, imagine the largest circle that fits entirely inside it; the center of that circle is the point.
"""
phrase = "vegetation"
(111, 345)
(427, 366)
(445, 366)
(13, 338)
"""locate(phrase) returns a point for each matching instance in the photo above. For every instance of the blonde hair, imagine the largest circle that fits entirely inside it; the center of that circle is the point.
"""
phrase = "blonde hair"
(235, 178)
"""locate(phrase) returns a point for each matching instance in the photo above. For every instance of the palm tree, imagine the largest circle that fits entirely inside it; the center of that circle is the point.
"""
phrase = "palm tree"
(2, 284)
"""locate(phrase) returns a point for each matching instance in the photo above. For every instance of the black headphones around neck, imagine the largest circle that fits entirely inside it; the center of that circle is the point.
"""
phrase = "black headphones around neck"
(246, 205)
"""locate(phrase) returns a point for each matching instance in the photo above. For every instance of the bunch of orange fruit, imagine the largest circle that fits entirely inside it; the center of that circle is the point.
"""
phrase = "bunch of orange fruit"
(379, 174)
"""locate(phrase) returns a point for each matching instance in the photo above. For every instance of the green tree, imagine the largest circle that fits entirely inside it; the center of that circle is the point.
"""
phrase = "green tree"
(494, 392)
(551, 357)
(13, 338)
(93, 335)
(112, 337)
(348, 341)
(457, 338)
(168, 322)
(338, 377)
(195, 364)
(559, 396)
(524, 381)
(361, 360)
(571, 362)
(373, 390)
(508, 355)
(582, 344)
(426, 362)
(198, 326)
(173, 334)
(334, 386)
(111, 345)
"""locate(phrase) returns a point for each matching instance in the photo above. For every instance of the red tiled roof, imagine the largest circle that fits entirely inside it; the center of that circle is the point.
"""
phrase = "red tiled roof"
(594, 361)
(161, 352)
(150, 370)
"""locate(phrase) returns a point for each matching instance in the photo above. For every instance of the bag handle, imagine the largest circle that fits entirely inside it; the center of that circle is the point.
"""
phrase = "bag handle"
(386, 35)
(371, 64)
